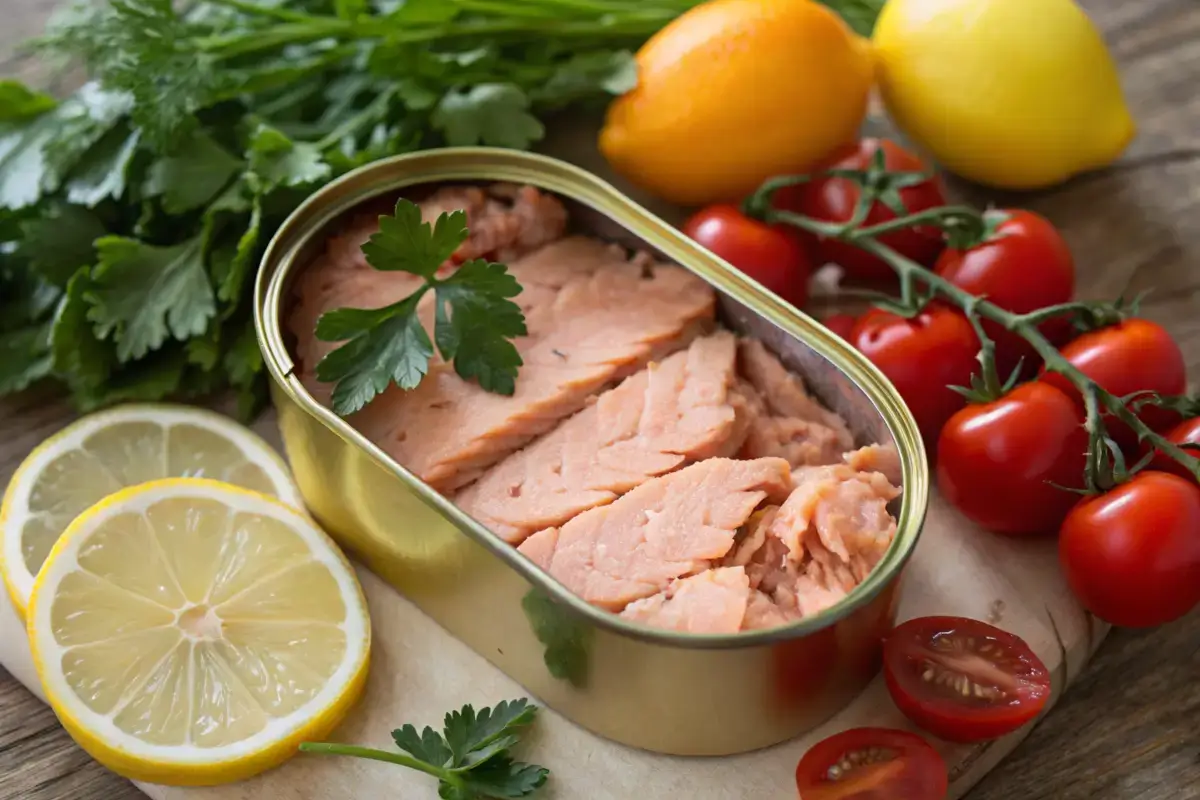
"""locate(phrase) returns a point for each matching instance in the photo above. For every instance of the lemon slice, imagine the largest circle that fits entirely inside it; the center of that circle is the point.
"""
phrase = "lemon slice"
(190, 632)
(109, 450)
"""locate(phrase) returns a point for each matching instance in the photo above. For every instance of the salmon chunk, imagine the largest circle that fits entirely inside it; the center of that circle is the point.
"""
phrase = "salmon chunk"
(876, 458)
(669, 414)
(714, 601)
(503, 222)
(667, 528)
(786, 421)
(592, 316)
(823, 541)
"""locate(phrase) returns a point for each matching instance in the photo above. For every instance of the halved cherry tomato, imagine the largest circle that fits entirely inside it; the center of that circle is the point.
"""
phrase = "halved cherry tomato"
(996, 461)
(963, 680)
(1026, 266)
(1132, 356)
(841, 324)
(1132, 554)
(922, 357)
(872, 764)
(772, 255)
(834, 200)
(1186, 432)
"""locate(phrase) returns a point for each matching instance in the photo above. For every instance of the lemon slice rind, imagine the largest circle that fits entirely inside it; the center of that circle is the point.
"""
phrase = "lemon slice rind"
(191, 765)
(14, 508)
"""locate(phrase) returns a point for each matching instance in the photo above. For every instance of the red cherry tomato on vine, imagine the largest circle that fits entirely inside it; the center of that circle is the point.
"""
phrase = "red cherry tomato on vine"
(841, 324)
(1132, 356)
(1025, 267)
(834, 200)
(884, 764)
(773, 256)
(996, 460)
(1132, 554)
(1186, 432)
(963, 680)
(922, 357)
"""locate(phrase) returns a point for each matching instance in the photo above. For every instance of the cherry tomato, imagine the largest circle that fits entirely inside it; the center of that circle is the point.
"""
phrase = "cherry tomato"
(884, 764)
(1186, 432)
(834, 200)
(996, 461)
(1129, 357)
(963, 680)
(841, 324)
(1132, 554)
(1026, 266)
(773, 256)
(922, 357)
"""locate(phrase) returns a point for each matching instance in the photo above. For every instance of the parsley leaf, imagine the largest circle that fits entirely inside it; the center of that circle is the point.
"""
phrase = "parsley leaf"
(61, 241)
(75, 350)
(474, 319)
(24, 358)
(23, 166)
(192, 175)
(104, 171)
(18, 102)
(469, 758)
(278, 161)
(143, 294)
(490, 113)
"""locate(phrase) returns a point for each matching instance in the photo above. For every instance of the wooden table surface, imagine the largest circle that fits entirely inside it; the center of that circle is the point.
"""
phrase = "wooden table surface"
(1130, 728)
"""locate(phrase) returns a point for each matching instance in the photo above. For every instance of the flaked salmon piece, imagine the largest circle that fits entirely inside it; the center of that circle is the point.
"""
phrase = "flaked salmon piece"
(593, 318)
(667, 528)
(848, 512)
(669, 414)
(714, 601)
(789, 423)
(763, 612)
(876, 458)
(502, 221)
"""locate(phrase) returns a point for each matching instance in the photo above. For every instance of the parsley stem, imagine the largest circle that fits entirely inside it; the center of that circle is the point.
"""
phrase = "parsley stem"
(354, 751)
(278, 12)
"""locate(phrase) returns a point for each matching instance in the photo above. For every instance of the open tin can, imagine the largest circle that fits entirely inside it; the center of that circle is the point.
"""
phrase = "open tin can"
(659, 690)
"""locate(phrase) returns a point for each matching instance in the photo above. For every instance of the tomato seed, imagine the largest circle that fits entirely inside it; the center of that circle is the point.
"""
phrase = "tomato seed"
(858, 758)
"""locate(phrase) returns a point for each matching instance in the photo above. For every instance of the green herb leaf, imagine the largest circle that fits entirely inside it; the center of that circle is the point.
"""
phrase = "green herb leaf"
(278, 161)
(83, 120)
(612, 72)
(470, 757)
(143, 294)
(192, 175)
(502, 778)
(474, 317)
(156, 377)
(23, 167)
(418, 11)
(104, 171)
(405, 243)
(61, 241)
(385, 345)
(19, 103)
(490, 113)
(475, 321)
(427, 746)
(77, 353)
(474, 739)
(24, 358)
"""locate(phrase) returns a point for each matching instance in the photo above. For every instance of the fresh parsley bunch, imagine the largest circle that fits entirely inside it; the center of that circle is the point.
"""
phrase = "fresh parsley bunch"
(133, 214)
(469, 757)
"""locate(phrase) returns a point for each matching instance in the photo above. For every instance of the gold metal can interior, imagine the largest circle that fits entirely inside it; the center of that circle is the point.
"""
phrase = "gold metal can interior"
(660, 690)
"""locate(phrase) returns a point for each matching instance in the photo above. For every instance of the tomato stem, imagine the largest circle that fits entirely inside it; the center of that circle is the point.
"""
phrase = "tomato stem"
(1024, 325)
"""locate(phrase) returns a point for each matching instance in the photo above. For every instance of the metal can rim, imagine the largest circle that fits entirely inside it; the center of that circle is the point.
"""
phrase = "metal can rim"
(551, 174)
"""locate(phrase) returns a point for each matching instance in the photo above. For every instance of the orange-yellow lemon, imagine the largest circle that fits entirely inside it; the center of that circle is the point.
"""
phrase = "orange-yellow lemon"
(735, 91)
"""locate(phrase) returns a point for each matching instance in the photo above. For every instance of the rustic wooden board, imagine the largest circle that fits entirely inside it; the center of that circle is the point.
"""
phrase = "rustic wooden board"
(1126, 730)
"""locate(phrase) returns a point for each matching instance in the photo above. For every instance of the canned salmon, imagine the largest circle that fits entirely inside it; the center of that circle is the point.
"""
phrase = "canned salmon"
(445, 495)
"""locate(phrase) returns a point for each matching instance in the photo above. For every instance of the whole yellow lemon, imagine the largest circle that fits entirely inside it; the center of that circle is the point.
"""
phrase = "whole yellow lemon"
(1015, 94)
(734, 91)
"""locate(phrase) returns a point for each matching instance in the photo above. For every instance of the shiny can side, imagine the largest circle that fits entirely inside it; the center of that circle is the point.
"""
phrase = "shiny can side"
(658, 690)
